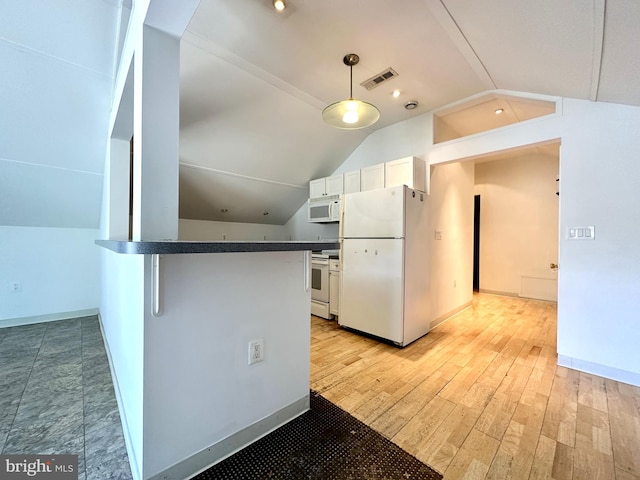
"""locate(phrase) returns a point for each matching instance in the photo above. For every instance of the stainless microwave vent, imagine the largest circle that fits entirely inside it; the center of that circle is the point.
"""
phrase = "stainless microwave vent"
(379, 79)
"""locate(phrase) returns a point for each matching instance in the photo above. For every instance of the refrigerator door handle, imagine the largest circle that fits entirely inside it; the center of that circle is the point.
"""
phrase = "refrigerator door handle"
(341, 219)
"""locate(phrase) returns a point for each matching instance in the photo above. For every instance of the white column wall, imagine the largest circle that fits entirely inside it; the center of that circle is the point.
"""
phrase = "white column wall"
(599, 280)
(118, 189)
(121, 313)
(155, 133)
(452, 254)
(125, 288)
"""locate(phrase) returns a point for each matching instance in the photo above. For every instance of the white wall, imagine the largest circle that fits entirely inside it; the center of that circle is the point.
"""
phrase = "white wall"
(58, 269)
(518, 219)
(409, 138)
(299, 228)
(452, 255)
(599, 280)
(121, 313)
(198, 386)
(202, 230)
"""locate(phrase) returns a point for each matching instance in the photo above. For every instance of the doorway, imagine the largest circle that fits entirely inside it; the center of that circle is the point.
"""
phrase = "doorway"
(519, 231)
(476, 243)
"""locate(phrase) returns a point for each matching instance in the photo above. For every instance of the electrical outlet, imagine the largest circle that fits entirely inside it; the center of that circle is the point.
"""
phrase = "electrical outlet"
(256, 351)
(15, 286)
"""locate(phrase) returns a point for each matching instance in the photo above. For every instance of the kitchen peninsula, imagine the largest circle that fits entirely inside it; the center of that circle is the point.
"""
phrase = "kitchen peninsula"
(193, 397)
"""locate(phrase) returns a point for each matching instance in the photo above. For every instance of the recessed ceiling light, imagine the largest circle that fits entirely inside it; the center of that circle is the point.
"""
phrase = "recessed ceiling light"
(499, 111)
(411, 104)
(279, 5)
(396, 93)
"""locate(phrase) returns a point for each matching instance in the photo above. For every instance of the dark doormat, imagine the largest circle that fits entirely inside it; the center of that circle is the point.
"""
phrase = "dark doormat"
(323, 443)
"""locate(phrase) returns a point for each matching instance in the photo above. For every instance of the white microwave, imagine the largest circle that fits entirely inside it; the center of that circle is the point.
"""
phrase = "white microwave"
(324, 210)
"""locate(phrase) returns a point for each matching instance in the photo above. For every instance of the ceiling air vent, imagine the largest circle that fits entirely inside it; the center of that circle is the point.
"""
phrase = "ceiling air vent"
(381, 77)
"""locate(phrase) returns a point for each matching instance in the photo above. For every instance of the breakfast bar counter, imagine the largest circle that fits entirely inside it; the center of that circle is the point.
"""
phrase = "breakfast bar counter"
(182, 247)
(179, 321)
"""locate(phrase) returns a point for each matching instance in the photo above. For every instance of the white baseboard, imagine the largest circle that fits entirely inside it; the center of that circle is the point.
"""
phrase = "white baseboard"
(448, 315)
(498, 292)
(624, 376)
(50, 317)
(217, 452)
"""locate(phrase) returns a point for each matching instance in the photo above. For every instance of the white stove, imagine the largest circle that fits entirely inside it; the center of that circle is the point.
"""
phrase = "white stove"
(320, 294)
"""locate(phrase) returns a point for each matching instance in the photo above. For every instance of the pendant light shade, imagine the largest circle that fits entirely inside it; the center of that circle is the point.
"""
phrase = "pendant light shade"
(350, 114)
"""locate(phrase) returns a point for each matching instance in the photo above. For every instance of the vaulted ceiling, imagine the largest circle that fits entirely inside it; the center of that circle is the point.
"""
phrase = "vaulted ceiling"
(254, 83)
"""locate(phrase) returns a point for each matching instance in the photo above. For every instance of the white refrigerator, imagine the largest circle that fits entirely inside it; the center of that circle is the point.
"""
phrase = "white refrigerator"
(385, 283)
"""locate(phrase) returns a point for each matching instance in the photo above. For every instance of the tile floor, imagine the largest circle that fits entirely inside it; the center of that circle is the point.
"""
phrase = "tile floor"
(57, 396)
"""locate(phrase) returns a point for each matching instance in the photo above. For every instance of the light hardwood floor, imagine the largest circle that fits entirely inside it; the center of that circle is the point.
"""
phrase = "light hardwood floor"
(481, 396)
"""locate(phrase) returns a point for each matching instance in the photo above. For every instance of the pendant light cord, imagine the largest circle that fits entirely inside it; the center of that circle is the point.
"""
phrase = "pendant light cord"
(350, 81)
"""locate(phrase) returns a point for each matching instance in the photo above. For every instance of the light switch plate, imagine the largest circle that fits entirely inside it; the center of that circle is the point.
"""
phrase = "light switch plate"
(581, 232)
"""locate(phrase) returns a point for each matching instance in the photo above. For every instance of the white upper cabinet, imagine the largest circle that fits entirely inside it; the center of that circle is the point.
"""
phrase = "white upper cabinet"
(335, 185)
(409, 171)
(317, 188)
(322, 187)
(352, 182)
(372, 177)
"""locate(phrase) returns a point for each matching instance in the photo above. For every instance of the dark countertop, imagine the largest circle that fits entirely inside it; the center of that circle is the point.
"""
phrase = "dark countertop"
(175, 247)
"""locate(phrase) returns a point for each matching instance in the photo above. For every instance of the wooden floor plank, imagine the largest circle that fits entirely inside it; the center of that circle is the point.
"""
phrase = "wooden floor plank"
(473, 458)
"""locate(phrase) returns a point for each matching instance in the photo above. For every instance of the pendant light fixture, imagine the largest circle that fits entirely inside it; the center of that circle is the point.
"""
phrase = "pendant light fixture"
(350, 114)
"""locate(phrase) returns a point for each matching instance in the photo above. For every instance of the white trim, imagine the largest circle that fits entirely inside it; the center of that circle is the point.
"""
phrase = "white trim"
(449, 315)
(239, 175)
(457, 36)
(207, 457)
(598, 44)
(49, 317)
(206, 45)
(494, 93)
(624, 376)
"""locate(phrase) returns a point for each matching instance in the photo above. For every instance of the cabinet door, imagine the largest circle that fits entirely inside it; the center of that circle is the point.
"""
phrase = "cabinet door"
(409, 171)
(317, 188)
(372, 177)
(334, 293)
(352, 182)
(335, 185)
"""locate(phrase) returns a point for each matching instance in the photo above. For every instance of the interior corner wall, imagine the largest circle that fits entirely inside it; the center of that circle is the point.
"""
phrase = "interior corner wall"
(452, 247)
(518, 219)
(58, 270)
